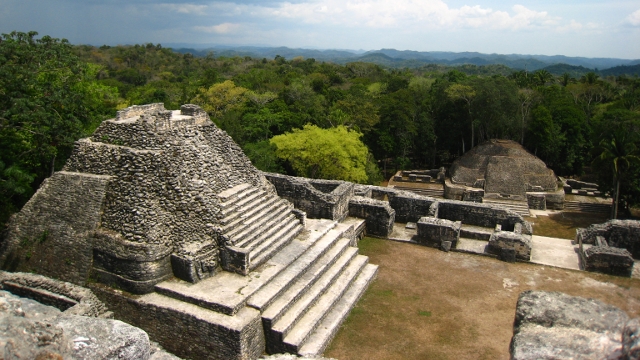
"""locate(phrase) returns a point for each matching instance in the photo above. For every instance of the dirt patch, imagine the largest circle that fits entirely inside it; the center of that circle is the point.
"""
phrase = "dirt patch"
(428, 304)
(564, 224)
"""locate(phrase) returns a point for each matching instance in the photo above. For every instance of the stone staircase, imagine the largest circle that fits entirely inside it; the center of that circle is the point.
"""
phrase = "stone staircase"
(594, 208)
(255, 225)
(437, 193)
(520, 207)
(304, 292)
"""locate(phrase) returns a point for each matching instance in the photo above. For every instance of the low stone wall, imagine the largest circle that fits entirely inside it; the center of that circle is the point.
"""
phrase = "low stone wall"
(187, 330)
(478, 215)
(320, 199)
(453, 191)
(554, 200)
(618, 233)
(438, 231)
(608, 260)
(501, 242)
(378, 214)
(536, 201)
(556, 325)
(67, 297)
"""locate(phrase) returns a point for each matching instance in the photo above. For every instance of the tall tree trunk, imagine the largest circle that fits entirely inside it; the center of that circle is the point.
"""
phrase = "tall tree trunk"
(615, 205)
(53, 165)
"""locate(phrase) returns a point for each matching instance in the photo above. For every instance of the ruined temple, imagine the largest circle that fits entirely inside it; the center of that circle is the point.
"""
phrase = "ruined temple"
(503, 171)
(161, 215)
(166, 219)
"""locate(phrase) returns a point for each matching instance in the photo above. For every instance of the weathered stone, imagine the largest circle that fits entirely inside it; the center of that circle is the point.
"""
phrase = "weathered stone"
(631, 340)
(434, 230)
(507, 255)
(536, 201)
(320, 199)
(378, 214)
(554, 325)
(608, 260)
(618, 233)
(520, 244)
(445, 246)
(505, 166)
(31, 330)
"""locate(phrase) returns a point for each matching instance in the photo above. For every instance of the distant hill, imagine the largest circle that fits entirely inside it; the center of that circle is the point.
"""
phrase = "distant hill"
(633, 70)
(392, 58)
(574, 71)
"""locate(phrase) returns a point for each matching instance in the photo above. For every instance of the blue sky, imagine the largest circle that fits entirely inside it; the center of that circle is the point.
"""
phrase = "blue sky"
(590, 28)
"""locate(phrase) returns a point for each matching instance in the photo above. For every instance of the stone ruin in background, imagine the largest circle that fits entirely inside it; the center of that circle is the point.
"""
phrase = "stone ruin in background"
(610, 247)
(503, 171)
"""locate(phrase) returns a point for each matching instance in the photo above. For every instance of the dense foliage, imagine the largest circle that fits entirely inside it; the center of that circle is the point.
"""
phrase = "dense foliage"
(52, 93)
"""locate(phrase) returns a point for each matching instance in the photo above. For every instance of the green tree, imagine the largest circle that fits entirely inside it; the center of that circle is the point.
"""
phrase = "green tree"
(48, 100)
(221, 98)
(335, 153)
(465, 93)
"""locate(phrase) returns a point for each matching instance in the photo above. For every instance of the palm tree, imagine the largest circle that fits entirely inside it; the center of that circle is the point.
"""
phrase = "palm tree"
(620, 151)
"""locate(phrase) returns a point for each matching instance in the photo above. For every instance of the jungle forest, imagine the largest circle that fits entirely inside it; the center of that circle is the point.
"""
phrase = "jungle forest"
(358, 122)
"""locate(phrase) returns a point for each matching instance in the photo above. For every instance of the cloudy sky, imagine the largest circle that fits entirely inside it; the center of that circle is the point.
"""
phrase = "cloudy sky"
(590, 28)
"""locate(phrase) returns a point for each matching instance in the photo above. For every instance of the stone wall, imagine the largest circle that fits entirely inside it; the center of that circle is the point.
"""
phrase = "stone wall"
(536, 201)
(52, 233)
(478, 215)
(379, 216)
(607, 260)
(438, 231)
(618, 233)
(187, 330)
(67, 297)
(505, 240)
(320, 199)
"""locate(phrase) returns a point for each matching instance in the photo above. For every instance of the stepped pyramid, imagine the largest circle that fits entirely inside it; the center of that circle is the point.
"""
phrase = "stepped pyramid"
(165, 218)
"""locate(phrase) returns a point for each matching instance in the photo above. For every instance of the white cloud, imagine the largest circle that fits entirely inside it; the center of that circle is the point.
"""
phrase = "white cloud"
(185, 8)
(433, 14)
(224, 28)
(634, 18)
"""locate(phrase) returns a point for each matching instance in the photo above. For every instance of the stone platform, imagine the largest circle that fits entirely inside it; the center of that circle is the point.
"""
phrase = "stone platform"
(294, 302)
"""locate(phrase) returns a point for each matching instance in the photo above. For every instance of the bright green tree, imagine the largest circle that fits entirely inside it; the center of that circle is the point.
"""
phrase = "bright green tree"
(335, 153)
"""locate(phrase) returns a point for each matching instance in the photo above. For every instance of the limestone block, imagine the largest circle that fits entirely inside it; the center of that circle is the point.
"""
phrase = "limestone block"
(434, 230)
(536, 201)
(30, 330)
(378, 214)
(608, 260)
(521, 244)
(556, 325)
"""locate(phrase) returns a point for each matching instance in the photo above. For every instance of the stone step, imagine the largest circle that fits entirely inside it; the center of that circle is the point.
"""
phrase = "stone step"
(278, 325)
(266, 230)
(264, 226)
(270, 247)
(519, 207)
(235, 192)
(319, 255)
(227, 292)
(575, 206)
(254, 202)
(304, 292)
(294, 337)
(327, 329)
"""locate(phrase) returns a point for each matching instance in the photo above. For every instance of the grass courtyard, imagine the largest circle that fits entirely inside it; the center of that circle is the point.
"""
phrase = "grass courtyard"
(428, 304)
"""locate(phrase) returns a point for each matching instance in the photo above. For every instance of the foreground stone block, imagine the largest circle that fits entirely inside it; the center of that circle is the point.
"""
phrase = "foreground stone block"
(608, 260)
(30, 330)
(438, 231)
(520, 243)
(553, 325)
